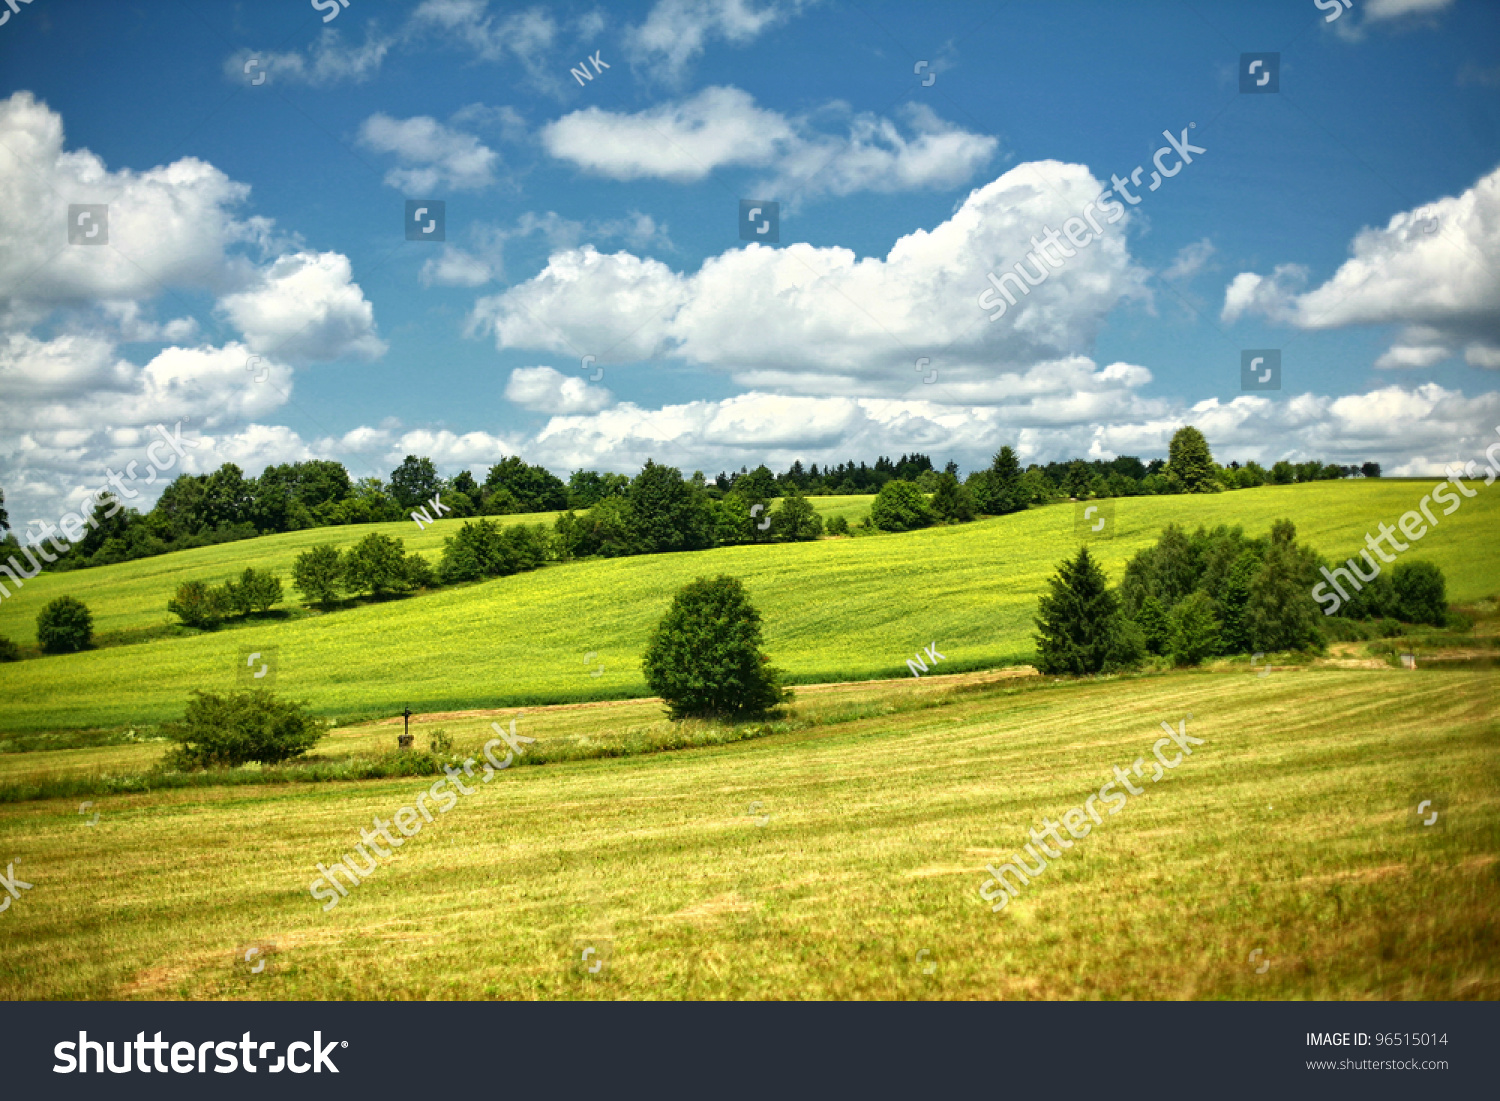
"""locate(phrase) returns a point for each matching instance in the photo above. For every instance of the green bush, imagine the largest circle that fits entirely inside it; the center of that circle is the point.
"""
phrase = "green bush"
(1421, 592)
(238, 727)
(474, 551)
(1195, 630)
(419, 573)
(63, 626)
(200, 605)
(376, 565)
(255, 591)
(318, 574)
(9, 651)
(900, 506)
(1155, 625)
(837, 526)
(795, 519)
(704, 657)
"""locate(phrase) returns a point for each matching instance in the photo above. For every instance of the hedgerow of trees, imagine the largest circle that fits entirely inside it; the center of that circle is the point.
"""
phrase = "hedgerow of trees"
(657, 510)
(1192, 597)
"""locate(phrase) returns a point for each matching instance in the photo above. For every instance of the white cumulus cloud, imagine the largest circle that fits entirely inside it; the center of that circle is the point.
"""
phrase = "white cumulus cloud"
(821, 320)
(307, 307)
(1434, 269)
(685, 140)
(549, 391)
(433, 156)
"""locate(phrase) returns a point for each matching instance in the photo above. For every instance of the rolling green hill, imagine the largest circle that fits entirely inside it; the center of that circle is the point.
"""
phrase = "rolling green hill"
(837, 609)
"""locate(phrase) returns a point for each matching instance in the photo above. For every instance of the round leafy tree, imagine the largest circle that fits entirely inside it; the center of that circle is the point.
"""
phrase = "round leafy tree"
(1190, 464)
(1082, 627)
(704, 657)
(900, 506)
(1421, 592)
(64, 625)
(795, 518)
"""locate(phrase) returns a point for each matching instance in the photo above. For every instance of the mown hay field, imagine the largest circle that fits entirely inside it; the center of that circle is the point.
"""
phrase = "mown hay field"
(1283, 859)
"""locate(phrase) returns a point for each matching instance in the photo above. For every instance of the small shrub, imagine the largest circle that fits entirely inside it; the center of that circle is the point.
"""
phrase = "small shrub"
(419, 573)
(200, 605)
(1195, 629)
(239, 727)
(255, 591)
(441, 743)
(838, 526)
(9, 651)
(64, 626)
(318, 574)
(1421, 592)
(377, 564)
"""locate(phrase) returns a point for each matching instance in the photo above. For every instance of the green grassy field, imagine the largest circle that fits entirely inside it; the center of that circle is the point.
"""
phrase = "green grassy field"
(131, 597)
(839, 861)
(836, 609)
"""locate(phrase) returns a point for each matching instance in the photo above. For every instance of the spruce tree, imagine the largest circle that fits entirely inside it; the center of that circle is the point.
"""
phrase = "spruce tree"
(951, 501)
(1081, 627)
(1005, 475)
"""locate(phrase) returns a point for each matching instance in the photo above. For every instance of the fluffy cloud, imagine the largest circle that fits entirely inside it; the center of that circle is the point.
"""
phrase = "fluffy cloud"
(487, 244)
(682, 141)
(1396, 14)
(676, 31)
(820, 320)
(433, 156)
(685, 140)
(306, 307)
(1189, 261)
(525, 36)
(1057, 411)
(448, 450)
(453, 267)
(327, 61)
(168, 226)
(74, 406)
(1383, 10)
(1435, 269)
(547, 391)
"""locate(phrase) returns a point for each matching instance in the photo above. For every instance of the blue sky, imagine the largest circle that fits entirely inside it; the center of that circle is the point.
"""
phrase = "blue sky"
(1351, 220)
